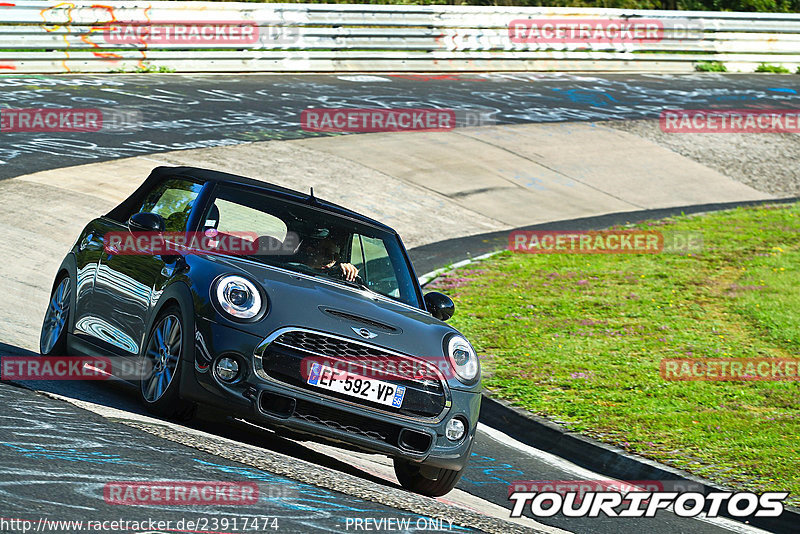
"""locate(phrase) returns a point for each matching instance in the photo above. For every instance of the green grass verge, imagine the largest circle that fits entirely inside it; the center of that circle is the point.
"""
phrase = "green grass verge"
(579, 338)
(710, 66)
(772, 69)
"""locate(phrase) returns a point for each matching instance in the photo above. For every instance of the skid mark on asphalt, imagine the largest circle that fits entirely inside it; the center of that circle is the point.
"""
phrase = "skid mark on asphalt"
(381, 466)
(181, 112)
(497, 460)
(496, 463)
(312, 499)
(321, 498)
(69, 455)
(55, 460)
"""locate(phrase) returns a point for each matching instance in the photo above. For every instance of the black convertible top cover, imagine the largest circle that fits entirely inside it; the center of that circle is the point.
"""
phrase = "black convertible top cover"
(206, 175)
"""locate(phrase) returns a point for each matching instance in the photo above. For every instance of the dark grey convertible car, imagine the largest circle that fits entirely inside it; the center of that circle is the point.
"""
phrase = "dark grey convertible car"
(275, 307)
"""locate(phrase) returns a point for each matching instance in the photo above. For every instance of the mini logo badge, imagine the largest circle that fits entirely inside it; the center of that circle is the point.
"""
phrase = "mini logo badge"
(363, 332)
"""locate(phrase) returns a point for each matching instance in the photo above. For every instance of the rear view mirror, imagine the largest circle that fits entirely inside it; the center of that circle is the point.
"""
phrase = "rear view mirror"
(146, 222)
(440, 305)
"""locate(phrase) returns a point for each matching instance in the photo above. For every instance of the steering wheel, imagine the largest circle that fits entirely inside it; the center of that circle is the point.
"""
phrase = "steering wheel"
(336, 270)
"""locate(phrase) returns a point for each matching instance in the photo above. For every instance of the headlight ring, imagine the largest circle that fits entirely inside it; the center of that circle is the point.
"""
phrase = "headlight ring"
(463, 359)
(238, 297)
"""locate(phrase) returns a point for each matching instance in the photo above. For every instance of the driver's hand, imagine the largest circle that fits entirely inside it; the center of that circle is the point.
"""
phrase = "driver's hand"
(349, 271)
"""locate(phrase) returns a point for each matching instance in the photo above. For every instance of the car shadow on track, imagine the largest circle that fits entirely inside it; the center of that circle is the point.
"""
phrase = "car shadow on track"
(122, 395)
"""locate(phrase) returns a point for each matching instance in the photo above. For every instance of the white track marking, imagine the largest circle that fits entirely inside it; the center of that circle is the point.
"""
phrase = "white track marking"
(461, 499)
(364, 78)
(581, 473)
(427, 277)
(381, 466)
(378, 466)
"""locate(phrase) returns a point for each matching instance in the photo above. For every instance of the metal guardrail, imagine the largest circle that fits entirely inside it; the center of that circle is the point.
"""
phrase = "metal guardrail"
(81, 36)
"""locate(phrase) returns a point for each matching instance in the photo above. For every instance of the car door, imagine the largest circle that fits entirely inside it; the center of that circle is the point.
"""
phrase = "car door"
(127, 284)
(88, 251)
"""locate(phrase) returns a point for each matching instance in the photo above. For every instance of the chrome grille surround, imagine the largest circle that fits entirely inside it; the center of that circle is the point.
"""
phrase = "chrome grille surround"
(375, 350)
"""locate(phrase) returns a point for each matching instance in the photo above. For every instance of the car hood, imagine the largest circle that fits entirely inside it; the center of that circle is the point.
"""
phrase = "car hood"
(319, 304)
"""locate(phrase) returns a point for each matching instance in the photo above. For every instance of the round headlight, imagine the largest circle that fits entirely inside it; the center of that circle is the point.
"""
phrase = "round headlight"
(463, 359)
(238, 297)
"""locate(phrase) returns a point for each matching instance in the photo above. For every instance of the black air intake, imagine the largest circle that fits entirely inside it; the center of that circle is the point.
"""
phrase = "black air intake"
(414, 441)
(277, 405)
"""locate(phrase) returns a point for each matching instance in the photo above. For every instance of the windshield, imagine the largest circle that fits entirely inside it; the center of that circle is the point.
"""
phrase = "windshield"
(313, 241)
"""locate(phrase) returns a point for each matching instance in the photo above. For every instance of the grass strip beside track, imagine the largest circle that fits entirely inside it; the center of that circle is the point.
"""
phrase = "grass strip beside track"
(579, 338)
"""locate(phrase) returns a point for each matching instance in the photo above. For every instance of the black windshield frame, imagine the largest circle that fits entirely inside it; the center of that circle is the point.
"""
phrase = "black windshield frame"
(410, 292)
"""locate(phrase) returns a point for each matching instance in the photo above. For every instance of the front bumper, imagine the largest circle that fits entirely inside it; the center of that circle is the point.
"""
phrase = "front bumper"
(283, 406)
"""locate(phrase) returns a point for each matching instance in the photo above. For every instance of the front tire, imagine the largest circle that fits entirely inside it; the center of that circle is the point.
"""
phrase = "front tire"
(53, 338)
(159, 386)
(430, 481)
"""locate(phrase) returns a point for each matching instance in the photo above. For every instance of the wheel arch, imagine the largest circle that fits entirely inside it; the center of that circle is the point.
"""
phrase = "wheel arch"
(178, 294)
(68, 267)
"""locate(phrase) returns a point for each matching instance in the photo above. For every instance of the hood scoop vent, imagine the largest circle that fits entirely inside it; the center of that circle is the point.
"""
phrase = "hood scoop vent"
(362, 321)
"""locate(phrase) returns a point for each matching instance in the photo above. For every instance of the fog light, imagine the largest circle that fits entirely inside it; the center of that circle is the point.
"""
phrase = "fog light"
(455, 429)
(227, 369)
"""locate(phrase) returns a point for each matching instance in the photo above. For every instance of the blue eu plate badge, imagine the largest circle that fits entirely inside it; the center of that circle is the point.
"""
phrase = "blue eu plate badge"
(313, 376)
(399, 393)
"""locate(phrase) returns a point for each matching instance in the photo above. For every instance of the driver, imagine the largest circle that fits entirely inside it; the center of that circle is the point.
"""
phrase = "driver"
(322, 255)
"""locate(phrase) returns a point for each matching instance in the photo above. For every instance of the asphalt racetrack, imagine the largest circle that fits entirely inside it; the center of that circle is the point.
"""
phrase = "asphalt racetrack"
(61, 441)
(175, 112)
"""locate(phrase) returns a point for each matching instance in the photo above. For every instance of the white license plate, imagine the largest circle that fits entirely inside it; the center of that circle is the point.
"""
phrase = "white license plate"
(357, 386)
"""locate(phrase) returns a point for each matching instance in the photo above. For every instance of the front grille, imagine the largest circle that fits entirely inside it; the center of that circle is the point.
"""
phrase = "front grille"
(285, 357)
(416, 370)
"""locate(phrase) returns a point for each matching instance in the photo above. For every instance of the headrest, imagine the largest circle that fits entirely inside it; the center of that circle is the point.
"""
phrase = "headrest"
(268, 245)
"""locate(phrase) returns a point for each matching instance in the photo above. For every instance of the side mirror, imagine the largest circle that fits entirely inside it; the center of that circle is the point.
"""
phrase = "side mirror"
(146, 222)
(440, 305)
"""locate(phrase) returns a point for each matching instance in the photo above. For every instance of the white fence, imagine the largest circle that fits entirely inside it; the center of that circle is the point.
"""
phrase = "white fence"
(251, 37)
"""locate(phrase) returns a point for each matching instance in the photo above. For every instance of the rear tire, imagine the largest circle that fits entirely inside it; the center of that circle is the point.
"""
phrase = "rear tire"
(430, 481)
(53, 337)
(166, 348)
